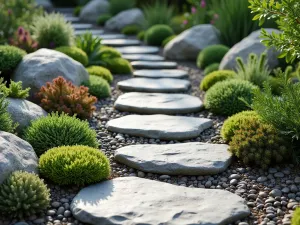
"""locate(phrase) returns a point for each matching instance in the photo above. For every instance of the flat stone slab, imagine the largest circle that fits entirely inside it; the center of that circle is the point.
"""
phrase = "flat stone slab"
(163, 85)
(193, 158)
(120, 42)
(111, 36)
(160, 126)
(153, 65)
(72, 19)
(138, 50)
(82, 26)
(142, 57)
(93, 31)
(158, 103)
(136, 201)
(178, 74)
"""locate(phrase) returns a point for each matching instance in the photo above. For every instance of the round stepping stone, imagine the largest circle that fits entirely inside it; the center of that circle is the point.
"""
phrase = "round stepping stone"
(193, 158)
(160, 126)
(82, 26)
(133, 200)
(112, 36)
(120, 42)
(142, 57)
(157, 103)
(139, 50)
(93, 31)
(153, 65)
(163, 85)
(179, 74)
(72, 19)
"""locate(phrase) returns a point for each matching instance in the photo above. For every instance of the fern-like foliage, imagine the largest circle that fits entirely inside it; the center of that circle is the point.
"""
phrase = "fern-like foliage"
(6, 122)
(15, 89)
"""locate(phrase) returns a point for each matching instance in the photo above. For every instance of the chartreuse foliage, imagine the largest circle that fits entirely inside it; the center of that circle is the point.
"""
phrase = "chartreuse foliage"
(15, 89)
(211, 54)
(100, 72)
(296, 217)
(75, 53)
(6, 122)
(215, 77)
(98, 86)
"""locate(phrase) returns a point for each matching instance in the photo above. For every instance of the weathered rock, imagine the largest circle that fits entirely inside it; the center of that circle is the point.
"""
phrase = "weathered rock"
(46, 4)
(153, 65)
(138, 50)
(120, 42)
(179, 74)
(162, 85)
(42, 66)
(95, 8)
(132, 200)
(160, 126)
(82, 26)
(15, 154)
(158, 103)
(93, 31)
(128, 17)
(24, 112)
(250, 44)
(189, 43)
(143, 57)
(193, 158)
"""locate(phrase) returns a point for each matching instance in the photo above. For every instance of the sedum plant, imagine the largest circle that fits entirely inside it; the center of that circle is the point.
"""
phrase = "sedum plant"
(101, 72)
(23, 194)
(15, 89)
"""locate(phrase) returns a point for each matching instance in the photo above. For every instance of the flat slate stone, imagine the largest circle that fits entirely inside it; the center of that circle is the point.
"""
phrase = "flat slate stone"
(82, 26)
(93, 31)
(142, 57)
(153, 65)
(120, 42)
(111, 36)
(72, 19)
(163, 85)
(136, 201)
(158, 103)
(138, 50)
(193, 158)
(179, 74)
(160, 126)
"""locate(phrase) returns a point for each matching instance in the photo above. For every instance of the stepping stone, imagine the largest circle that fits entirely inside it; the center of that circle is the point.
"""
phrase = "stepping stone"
(142, 57)
(133, 200)
(72, 19)
(160, 126)
(111, 36)
(139, 50)
(156, 103)
(153, 65)
(120, 42)
(82, 26)
(179, 74)
(93, 31)
(193, 158)
(163, 85)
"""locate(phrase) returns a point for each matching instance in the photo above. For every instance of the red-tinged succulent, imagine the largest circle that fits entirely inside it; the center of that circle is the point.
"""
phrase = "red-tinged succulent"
(23, 40)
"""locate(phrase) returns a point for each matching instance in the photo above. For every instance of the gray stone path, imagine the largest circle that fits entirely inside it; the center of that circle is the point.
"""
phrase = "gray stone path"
(111, 36)
(153, 65)
(139, 50)
(120, 42)
(179, 74)
(82, 26)
(93, 31)
(143, 57)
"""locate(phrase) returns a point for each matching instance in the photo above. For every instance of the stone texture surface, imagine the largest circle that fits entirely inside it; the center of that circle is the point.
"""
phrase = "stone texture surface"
(112, 36)
(179, 74)
(143, 57)
(92, 10)
(128, 17)
(82, 26)
(93, 31)
(120, 42)
(130, 200)
(250, 44)
(193, 158)
(15, 154)
(153, 65)
(160, 126)
(139, 50)
(158, 103)
(24, 112)
(72, 19)
(162, 85)
(42, 66)
(188, 44)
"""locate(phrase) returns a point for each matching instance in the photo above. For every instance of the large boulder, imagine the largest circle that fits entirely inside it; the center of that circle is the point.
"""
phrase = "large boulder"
(250, 44)
(188, 44)
(15, 154)
(42, 66)
(127, 17)
(95, 8)
(23, 112)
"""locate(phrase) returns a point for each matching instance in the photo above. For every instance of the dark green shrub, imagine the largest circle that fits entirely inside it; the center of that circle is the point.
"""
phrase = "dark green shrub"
(118, 65)
(74, 165)
(211, 68)
(211, 54)
(168, 39)
(57, 130)
(14, 89)
(224, 98)
(6, 122)
(98, 86)
(103, 18)
(156, 34)
(75, 53)
(100, 72)
(117, 6)
(296, 217)
(131, 30)
(77, 10)
(234, 122)
(215, 77)
(259, 144)
(141, 35)
(23, 194)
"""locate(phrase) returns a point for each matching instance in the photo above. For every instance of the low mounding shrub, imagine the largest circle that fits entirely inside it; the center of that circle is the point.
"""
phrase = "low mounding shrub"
(224, 98)
(259, 144)
(100, 72)
(23, 40)
(75, 53)
(234, 122)
(211, 68)
(103, 18)
(107, 52)
(74, 165)
(215, 77)
(98, 86)
(296, 217)
(15, 89)
(117, 6)
(168, 39)
(211, 54)
(58, 130)
(141, 35)
(23, 194)
(62, 96)
(156, 34)
(131, 30)
(77, 10)
(118, 65)
(6, 122)
(52, 31)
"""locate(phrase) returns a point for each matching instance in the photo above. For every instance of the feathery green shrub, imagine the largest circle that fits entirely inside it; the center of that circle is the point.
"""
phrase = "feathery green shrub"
(131, 30)
(211, 54)
(141, 35)
(118, 65)
(74, 165)
(15, 89)
(98, 86)
(156, 34)
(211, 68)
(168, 39)
(75, 53)
(100, 72)
(117, 6)
(215, 77)
(6, 122)
(103, 18)
(296, 217)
